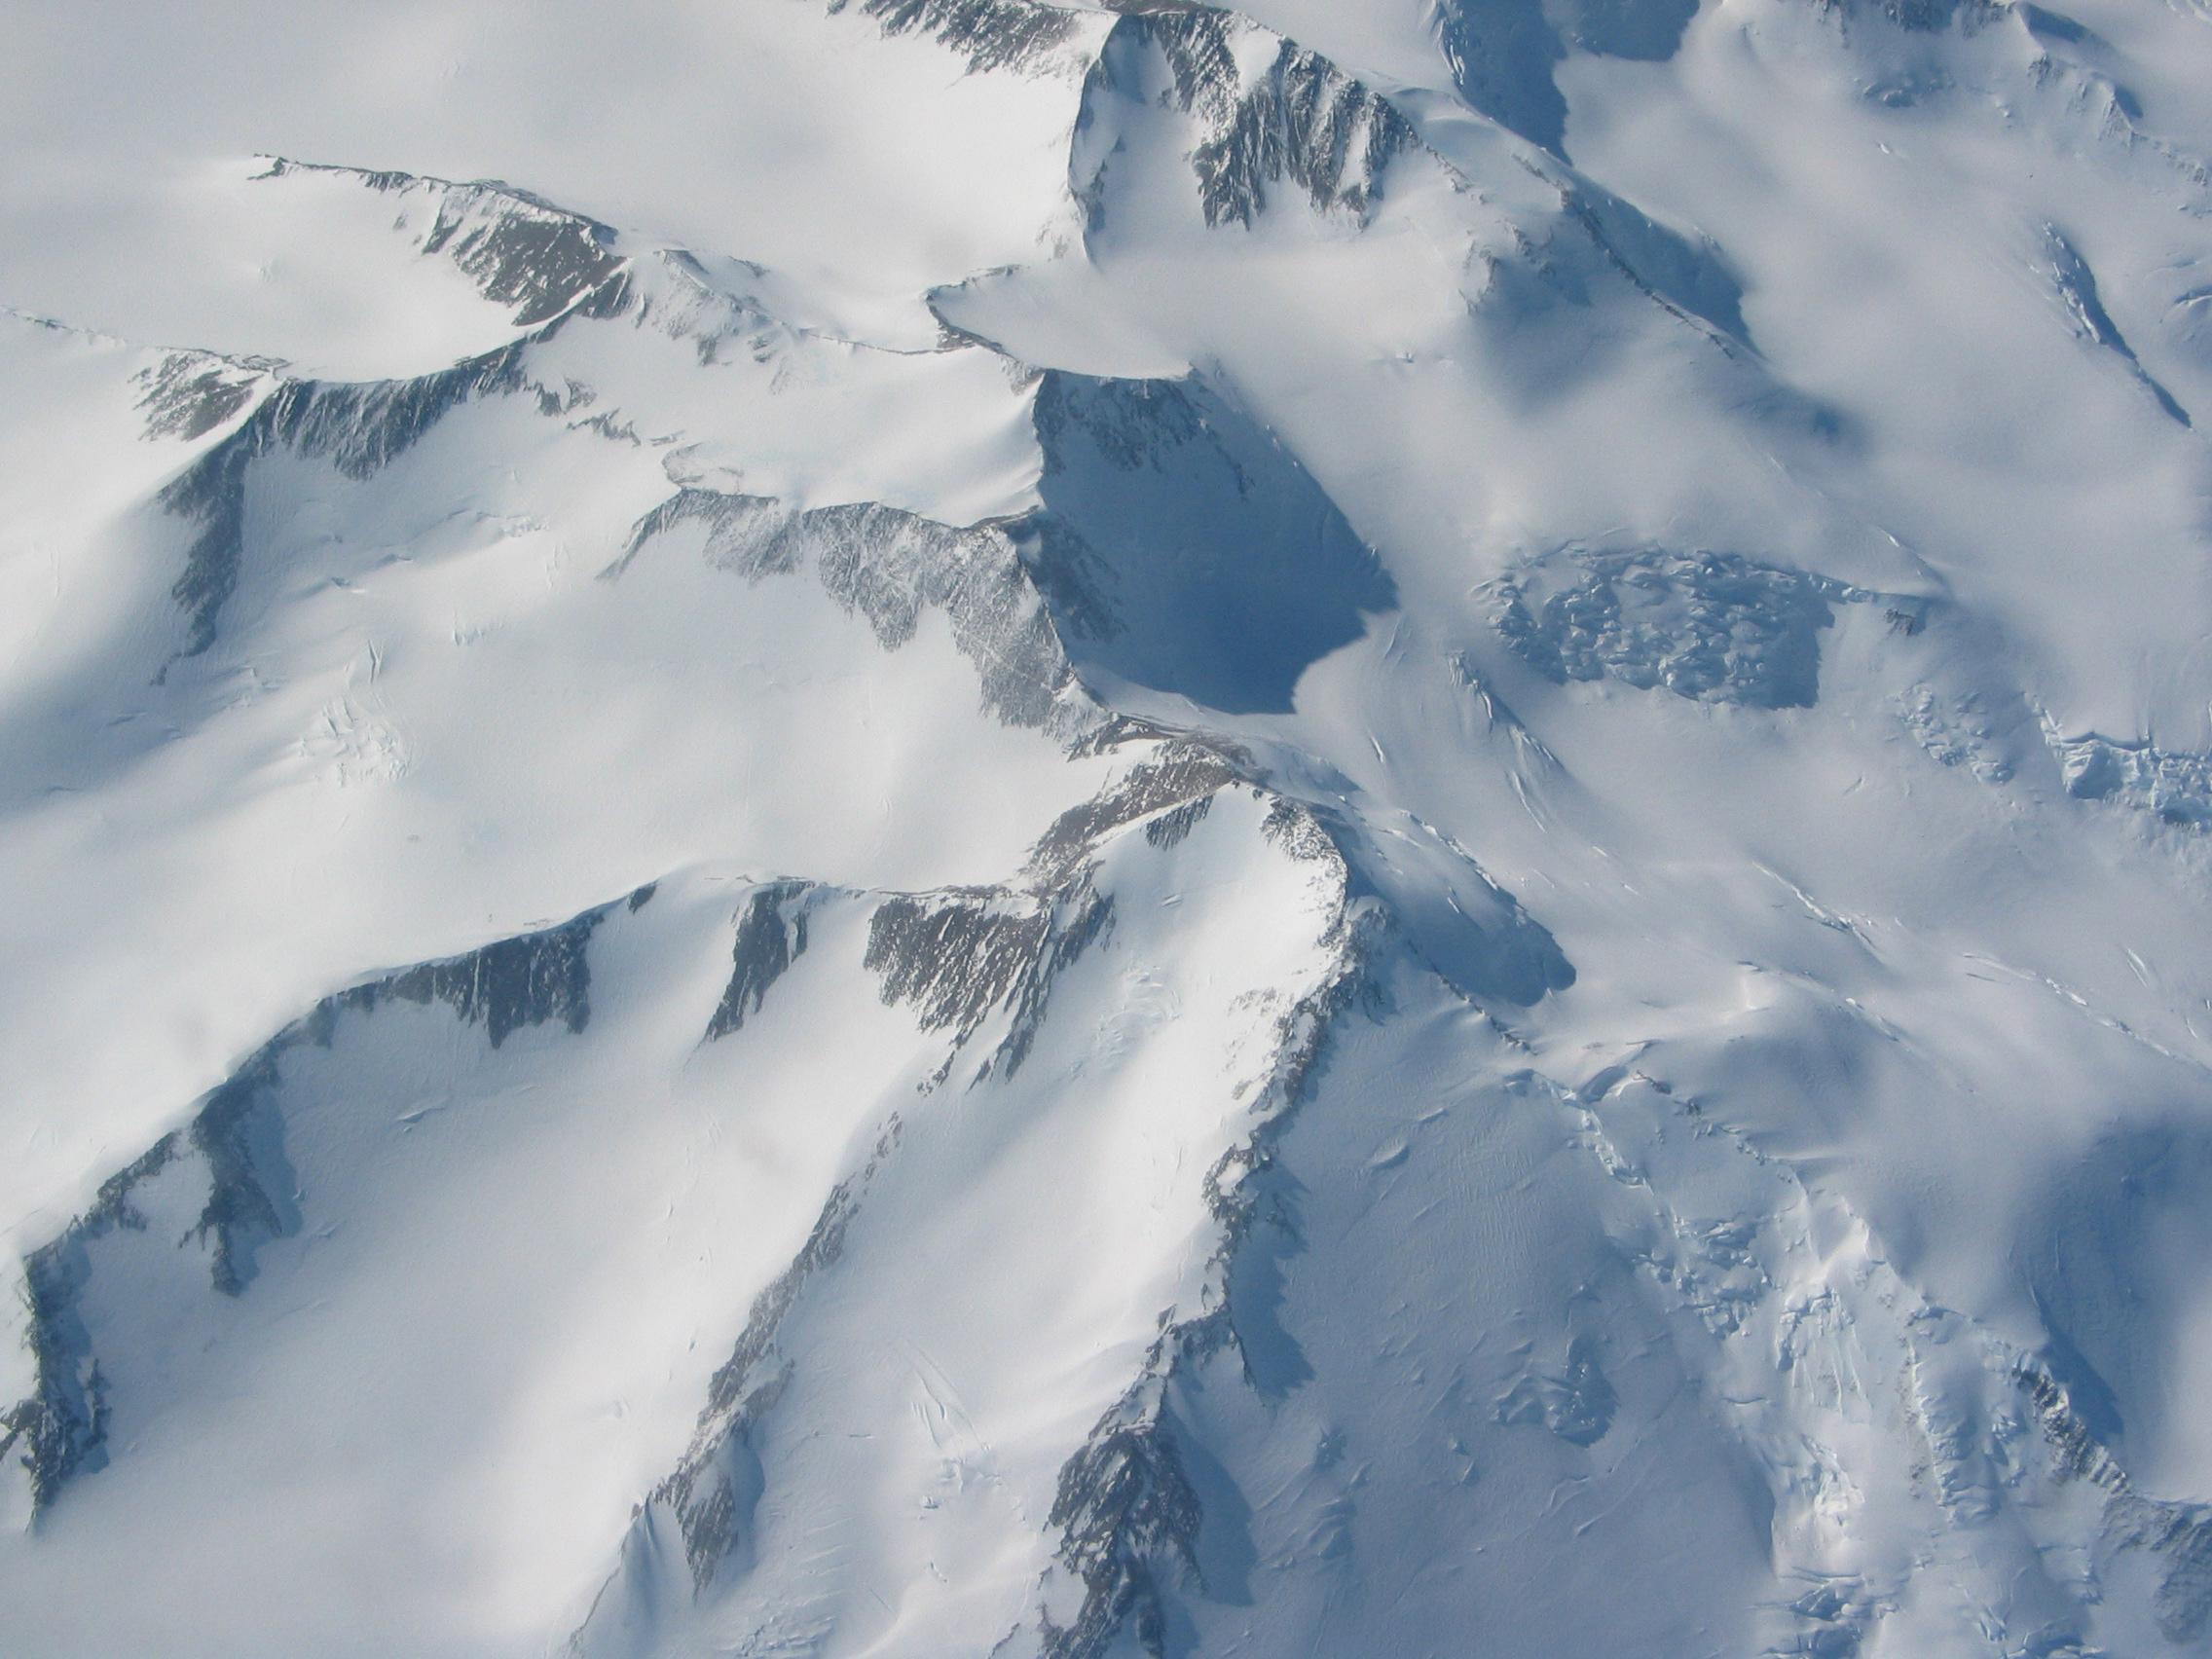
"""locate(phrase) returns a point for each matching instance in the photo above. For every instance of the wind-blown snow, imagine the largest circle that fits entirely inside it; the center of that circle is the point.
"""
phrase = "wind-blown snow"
(954, 827)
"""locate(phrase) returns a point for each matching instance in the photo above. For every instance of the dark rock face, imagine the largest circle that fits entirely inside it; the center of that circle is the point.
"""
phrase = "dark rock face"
(991, 34)
(192, 392)
(771, 934)
(1184, 776)
(517, 983)
(1127, 1514)
(956, 957)
(535, 258)
(1171, 828)
(1301, 121)
(519, 250)
(359, 429)
(961, 957)
(888, 565)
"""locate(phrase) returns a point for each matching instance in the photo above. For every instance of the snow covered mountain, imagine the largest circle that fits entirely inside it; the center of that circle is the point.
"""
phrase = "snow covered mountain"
(997, 828)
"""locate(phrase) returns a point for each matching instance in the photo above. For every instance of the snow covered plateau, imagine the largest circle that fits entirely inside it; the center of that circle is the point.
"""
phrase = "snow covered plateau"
(999, 829)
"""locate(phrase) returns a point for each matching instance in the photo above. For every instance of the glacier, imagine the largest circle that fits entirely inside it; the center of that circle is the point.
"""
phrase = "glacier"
(1022, 829)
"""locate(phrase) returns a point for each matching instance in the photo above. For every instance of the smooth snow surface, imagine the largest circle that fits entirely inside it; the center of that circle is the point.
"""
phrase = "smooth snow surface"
(936, 828)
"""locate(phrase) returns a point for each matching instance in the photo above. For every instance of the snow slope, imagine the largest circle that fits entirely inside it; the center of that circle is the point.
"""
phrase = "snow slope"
(959, 828)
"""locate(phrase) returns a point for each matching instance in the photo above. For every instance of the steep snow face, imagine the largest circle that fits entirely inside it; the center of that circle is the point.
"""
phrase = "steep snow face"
(953, 827)
(1183, 550)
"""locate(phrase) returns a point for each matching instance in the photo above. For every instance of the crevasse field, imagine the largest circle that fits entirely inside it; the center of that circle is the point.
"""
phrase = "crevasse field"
(982, 829)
